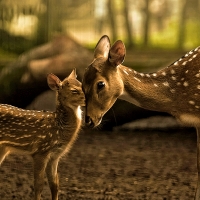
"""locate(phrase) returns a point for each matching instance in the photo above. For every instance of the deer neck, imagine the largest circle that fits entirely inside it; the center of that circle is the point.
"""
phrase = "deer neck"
(68, 117)
(145, 90)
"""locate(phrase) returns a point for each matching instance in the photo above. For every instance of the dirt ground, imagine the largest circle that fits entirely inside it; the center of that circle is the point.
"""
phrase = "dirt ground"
(114, 165)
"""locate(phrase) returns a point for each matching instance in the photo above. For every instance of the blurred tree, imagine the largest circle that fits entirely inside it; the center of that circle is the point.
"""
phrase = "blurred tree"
(13, 16)
(50, 21)
(128, 27)
(146, 23)
(182, 23)
(189, 23)
(112, 18)
(42, 27)
(100, 14)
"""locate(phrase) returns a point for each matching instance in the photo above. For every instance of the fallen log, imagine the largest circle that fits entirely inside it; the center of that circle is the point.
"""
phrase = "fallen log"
(26, 77)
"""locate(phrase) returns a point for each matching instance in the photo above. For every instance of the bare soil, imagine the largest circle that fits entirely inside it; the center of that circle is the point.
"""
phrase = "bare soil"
(140, 165)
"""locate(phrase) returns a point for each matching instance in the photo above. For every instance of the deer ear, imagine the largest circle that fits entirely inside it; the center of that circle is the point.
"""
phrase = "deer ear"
(102, 48)
(73, 74)
(53, 81)
(117, 53)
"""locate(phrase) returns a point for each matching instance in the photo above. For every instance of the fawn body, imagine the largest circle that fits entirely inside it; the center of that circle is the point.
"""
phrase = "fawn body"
(174, 89)
(46, 136)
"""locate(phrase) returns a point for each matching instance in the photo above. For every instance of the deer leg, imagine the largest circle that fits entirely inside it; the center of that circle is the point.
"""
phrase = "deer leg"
(52, 175)
(197, 195)
(40, 163)
(3, 153)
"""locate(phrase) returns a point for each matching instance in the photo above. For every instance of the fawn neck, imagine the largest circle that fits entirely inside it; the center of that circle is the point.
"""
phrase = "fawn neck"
(68, 117)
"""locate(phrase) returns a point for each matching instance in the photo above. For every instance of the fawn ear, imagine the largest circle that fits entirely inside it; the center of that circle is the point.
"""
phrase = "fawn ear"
(117, 53)
(73, 74)
(53, 81)
(102, 48)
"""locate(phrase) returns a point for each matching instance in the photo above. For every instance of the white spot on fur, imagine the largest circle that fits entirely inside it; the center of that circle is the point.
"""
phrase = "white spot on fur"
(172, 90)
(194, 56)
(185, 84)
(125, 72)
(198, 87)
(137, 79)
(184, 63)
(166, 84)
(173, 78)
(191, 52)
(41, 136)
(173, 71)
(164, 73)
(191, 102)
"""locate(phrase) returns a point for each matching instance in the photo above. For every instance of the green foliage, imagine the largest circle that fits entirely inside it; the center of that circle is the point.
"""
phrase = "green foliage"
(7, 55)
(192, 34)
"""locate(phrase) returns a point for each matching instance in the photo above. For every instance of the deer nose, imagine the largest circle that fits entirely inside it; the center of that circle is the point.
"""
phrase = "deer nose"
(88, 121)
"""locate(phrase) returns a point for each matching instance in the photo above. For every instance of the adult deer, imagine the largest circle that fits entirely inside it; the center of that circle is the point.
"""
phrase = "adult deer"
(46, 136)
(174, 89)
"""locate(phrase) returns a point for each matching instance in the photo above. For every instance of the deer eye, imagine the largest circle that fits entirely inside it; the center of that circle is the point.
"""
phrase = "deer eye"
(100, 85)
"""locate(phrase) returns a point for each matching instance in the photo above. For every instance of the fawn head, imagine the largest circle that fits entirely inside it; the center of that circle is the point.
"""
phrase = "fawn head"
(102, 83)
(69, 91)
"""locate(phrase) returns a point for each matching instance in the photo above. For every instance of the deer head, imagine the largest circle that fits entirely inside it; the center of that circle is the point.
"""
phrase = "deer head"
(69, 91)
(102, 83)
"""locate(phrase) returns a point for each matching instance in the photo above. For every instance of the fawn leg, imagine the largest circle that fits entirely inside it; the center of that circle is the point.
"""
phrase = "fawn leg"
(3, 153)
(40, 163)
(197, 195)
(52, 175)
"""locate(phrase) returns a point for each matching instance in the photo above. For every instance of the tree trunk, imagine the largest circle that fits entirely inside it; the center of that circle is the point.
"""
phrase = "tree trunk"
(127, 24)
(182, 24)
(111, 15)
(146, 23)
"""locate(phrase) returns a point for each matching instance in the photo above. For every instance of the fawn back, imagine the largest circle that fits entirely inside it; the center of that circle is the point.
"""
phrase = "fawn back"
(46, 136)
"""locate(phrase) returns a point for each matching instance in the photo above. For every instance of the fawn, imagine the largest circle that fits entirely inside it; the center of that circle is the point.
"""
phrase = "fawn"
(174, 89)
(46, 136)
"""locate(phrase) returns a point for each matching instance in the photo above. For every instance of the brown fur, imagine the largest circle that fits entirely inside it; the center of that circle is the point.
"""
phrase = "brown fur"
(174, 89)
(46, 136)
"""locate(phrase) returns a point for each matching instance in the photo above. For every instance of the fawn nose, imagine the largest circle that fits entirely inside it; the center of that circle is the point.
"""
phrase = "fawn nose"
(88, 121)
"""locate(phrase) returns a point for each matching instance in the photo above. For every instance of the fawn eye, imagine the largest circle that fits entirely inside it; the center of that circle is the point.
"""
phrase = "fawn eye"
(100, 85)
(74, 91)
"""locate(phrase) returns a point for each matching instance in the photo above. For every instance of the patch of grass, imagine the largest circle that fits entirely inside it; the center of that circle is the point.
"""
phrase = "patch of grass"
(7, 56)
